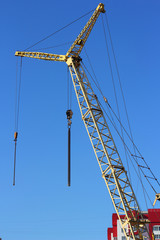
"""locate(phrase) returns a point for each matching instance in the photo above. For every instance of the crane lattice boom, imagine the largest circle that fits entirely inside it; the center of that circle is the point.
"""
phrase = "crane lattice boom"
(113, 171)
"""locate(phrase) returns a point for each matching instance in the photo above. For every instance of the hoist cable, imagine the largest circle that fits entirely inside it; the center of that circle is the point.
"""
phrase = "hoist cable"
(16, 94)
(14, 170)
(70, 93)
(17, 105)
(19, 94)
(67, 87)
(135, 148)
(93, 71)
(129, 136)
(55, 46)
(124, 102)
(69, 90)
(148, 168)
(116, 65)
(113, 82)
(50, 35)
(128, 152)
(69, 156)
(119, 79)
(98, 86)
(110, 108)
(123, 140)
(69, 114)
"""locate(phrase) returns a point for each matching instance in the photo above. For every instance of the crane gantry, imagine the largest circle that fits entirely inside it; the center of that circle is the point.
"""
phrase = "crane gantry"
(110, 163)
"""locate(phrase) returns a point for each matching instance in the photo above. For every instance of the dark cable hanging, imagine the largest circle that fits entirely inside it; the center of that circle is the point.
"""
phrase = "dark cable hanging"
(58, 30)
(17, 104)
(69, 114)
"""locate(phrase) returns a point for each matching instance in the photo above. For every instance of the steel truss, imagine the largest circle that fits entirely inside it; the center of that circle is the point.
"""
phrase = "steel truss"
(113, 171)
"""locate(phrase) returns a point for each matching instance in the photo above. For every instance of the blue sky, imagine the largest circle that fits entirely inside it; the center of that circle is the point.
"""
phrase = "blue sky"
(41, 205)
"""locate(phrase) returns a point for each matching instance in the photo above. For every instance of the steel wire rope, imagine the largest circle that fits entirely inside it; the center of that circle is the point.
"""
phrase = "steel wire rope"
(129, 154)
(19, 94)
(120, 84)
(139, 176)
(69, 114)
(118, 74)
(17, 106)
(124, 102)
(126, 147)
(67, 87)
(55, 46)
(98, 86)
(124, 98)
(135, 146)
(16, 94)
(130, 151)
(93, 70)
(69, 90)
(110, 108)
(114, 125)
(50, 35)
(113, 82)
(70, 93)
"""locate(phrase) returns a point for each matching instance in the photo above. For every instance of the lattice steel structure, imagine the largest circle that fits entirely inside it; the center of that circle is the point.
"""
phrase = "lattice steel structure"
(113, 171)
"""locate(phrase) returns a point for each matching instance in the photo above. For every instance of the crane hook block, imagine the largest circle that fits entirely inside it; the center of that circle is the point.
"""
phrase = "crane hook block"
(69, 114)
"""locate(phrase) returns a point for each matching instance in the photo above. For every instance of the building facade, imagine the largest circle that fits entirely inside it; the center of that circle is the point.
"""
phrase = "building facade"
(153, 215)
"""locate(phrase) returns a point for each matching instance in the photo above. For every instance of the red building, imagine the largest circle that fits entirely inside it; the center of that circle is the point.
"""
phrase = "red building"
(153, 215)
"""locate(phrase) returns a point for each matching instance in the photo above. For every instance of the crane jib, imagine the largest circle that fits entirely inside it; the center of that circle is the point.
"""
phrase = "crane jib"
(112, 169)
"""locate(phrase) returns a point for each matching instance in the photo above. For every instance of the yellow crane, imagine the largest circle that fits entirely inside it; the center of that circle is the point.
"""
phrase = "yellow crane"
(110, 163)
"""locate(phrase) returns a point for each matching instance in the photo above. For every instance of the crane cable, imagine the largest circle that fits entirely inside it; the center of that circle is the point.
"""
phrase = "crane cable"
(124, 102)
(119, 79)
(17, 105)
(69, 114)
(124, 143)
(55, 46)
(115, 94)
(114, 125)
(120, 84)
(50, 35)
(139, 176)
(147, 167)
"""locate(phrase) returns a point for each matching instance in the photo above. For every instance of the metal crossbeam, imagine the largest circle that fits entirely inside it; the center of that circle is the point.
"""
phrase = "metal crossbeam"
(113, 172)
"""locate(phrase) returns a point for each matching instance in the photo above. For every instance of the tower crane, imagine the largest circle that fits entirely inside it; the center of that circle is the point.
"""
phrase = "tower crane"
(109, 160)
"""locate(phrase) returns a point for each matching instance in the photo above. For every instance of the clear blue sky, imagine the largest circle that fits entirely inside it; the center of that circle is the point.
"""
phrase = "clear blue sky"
(41, 206)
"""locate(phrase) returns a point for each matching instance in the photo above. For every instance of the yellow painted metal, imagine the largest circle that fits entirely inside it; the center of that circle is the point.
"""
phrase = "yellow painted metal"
(110, 163)
(78, 44)
(43, 56)
(157, 197)
(76, 47)
(113, 171)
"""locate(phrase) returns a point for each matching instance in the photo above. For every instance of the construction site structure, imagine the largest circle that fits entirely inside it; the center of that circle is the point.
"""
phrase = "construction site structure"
(153, 215)
(109, 160)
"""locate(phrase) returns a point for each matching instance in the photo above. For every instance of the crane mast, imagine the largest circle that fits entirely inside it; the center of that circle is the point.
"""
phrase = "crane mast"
(111, 166)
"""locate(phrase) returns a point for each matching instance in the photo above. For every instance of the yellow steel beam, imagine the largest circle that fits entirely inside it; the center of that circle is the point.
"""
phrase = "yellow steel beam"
(76, 47)
(78, 44)
(43, 56)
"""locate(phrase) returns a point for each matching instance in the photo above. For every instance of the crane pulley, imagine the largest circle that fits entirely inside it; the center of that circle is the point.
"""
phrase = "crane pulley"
(109, 160)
